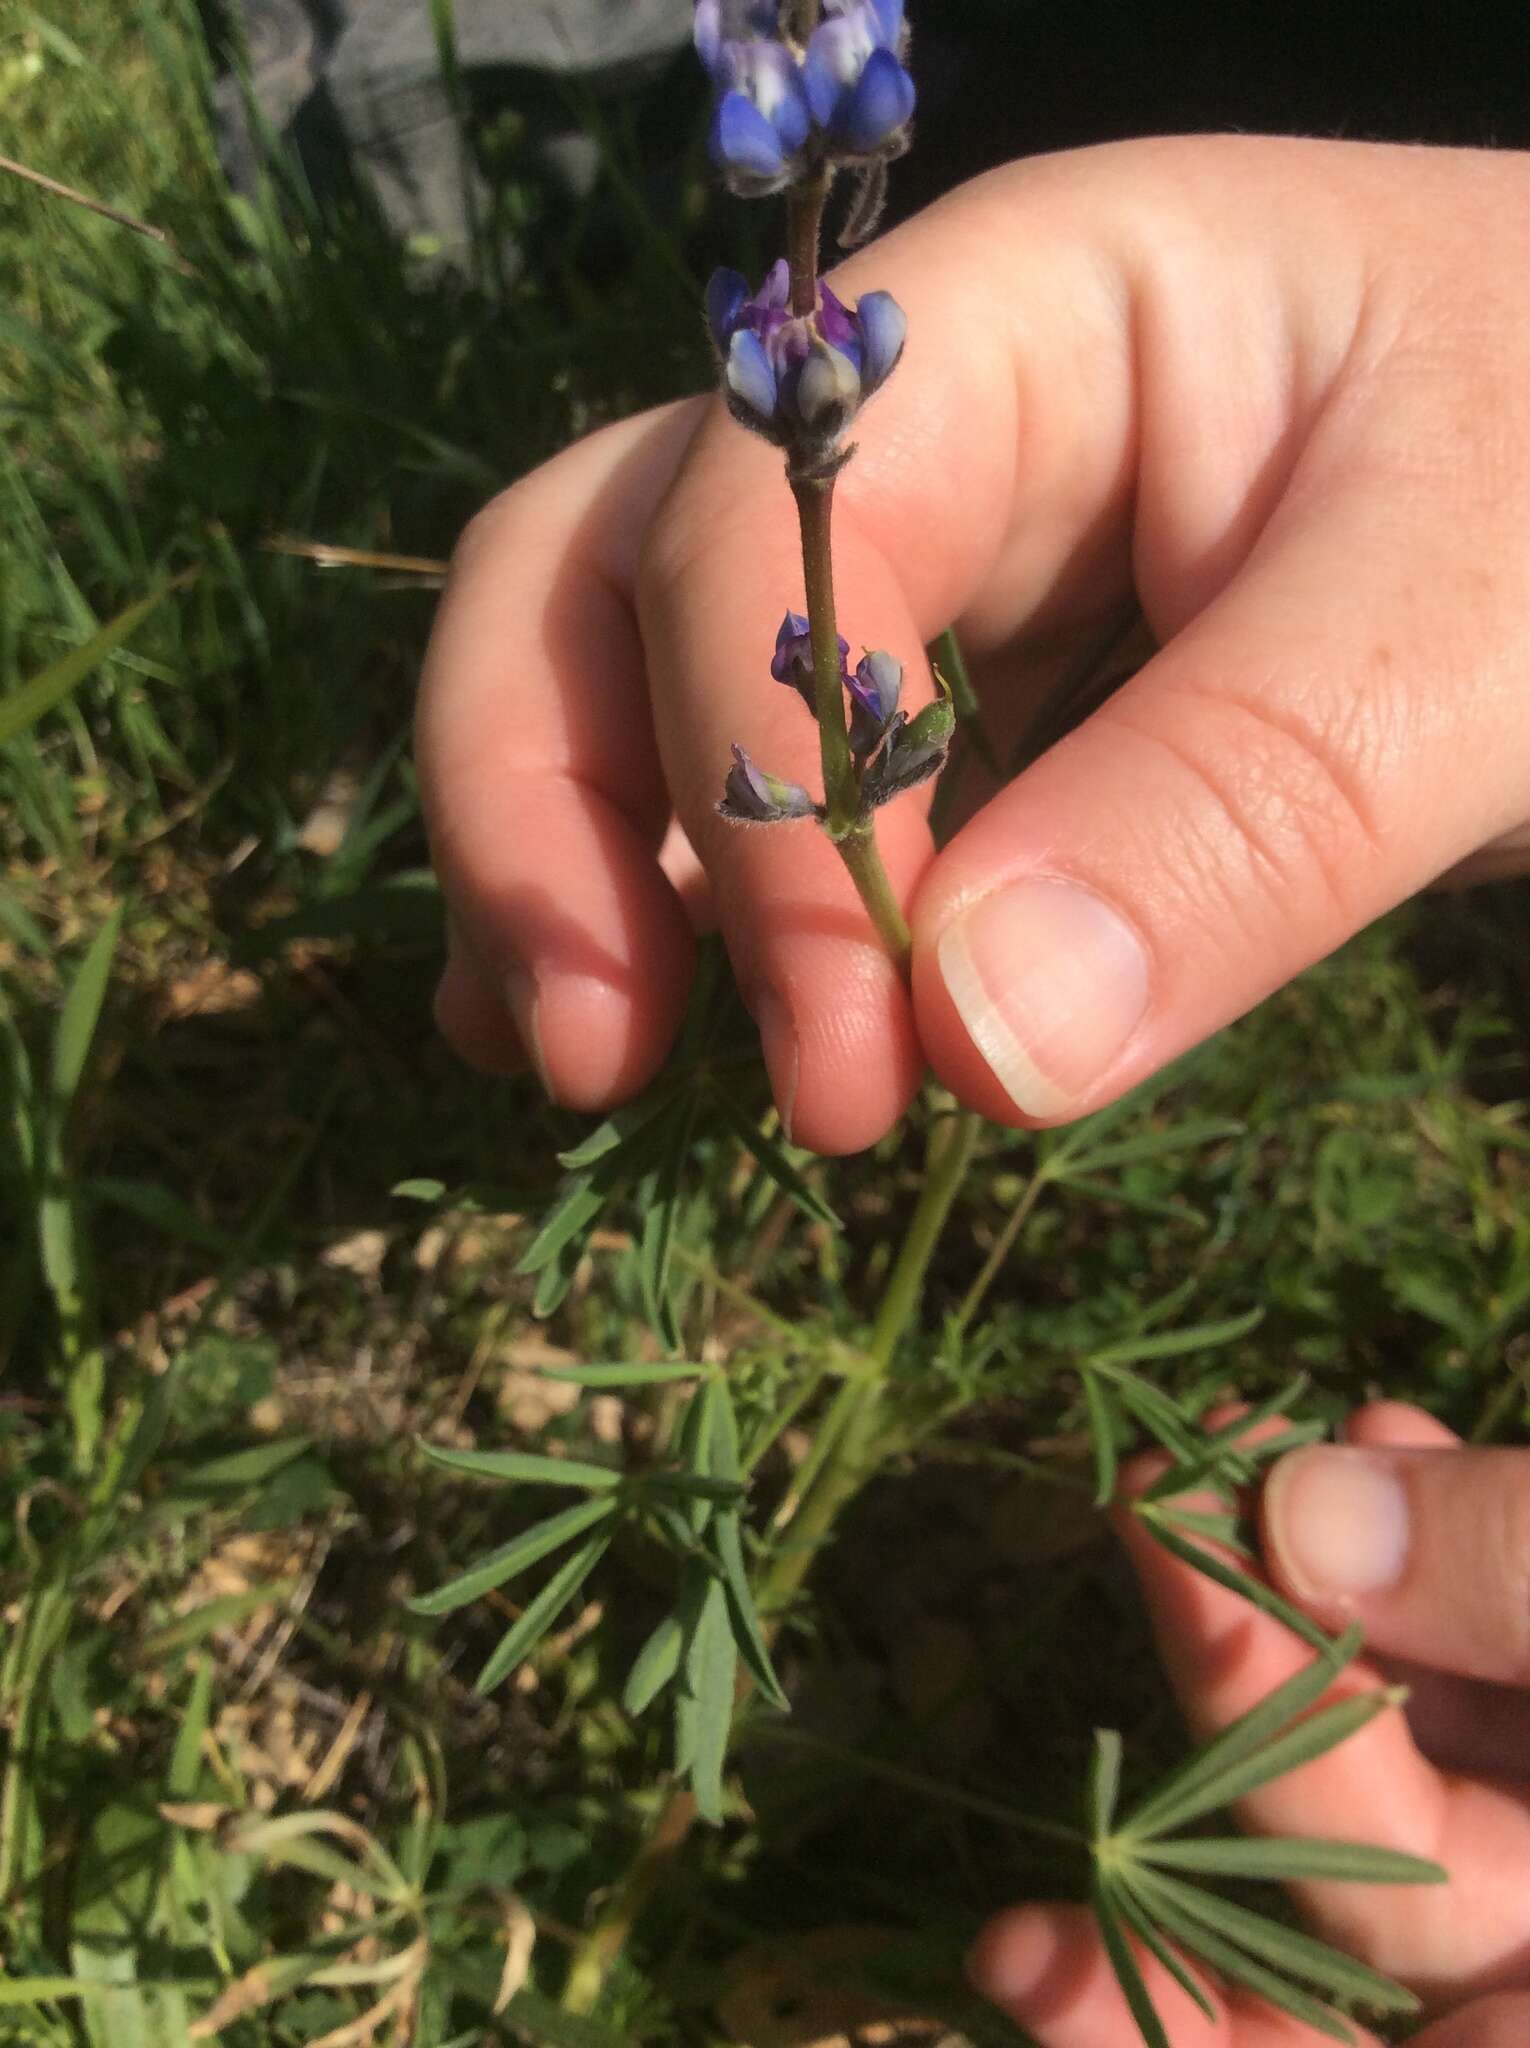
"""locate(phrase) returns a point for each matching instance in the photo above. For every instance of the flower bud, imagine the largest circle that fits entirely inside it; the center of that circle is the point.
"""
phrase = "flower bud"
(915, 750)
(792, 662)
(874, 691)
(753, 797)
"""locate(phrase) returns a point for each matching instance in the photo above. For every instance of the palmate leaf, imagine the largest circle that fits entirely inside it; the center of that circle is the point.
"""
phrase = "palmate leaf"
(1284, 1948)
(515, 1556)
(543, 1611)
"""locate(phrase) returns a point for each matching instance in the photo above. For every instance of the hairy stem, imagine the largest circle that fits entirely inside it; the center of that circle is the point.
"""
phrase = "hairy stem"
(606, 1939)
(804, 227)
(1003, 1245)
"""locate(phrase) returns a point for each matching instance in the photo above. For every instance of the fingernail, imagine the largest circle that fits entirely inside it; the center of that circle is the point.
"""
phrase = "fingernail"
(1337, 1522)
(1050, 982)
(520, 990)
(783, 1058)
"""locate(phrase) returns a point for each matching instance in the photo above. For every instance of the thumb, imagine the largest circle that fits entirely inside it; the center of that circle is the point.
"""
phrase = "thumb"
(1269, 783)
(1428, 1549)
(1501, 2022)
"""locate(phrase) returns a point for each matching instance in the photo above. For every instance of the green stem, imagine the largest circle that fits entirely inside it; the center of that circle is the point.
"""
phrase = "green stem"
(858, 850)
(1003, 1245)
(850, 1425)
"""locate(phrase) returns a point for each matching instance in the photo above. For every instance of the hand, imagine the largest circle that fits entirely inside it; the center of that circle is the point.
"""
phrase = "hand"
(1279, 388)
(1427, 1546)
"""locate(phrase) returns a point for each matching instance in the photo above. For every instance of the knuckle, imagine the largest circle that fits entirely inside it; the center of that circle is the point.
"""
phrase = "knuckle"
(1289, 808)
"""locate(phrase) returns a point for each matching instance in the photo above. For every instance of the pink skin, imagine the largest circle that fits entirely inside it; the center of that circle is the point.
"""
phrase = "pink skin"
(1465, 1947)
(1283, 388)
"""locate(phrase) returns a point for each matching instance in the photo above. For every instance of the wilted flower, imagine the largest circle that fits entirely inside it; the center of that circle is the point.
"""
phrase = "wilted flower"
(760, 117)
(751, 797)
(858, 92)
(874, 691)
(792, 661)
(800, 379)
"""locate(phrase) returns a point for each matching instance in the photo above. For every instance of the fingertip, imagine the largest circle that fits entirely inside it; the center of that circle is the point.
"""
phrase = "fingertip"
(471, 1015)
(1030, 1960)
(844, 1060)
(1399, 1425)
(593, 1042)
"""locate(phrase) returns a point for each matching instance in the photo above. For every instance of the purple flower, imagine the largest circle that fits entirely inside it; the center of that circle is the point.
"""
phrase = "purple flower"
(874, 691)
(760, 117)
(858, 92)
(752, 797)
(792, 662)
(800, 379)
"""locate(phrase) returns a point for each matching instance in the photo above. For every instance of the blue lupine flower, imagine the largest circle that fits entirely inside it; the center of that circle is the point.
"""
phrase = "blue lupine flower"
(792, 662)
(799, 379)
(760, 117)
(858, 92)
(752, 797)
(874, 691)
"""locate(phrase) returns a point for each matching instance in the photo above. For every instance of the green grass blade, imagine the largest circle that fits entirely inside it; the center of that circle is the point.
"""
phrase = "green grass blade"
(529, 1548)
(617, 1130)
(23, 707)
(1288, 1858)
(543, 1612)
(528, 1466)
(1156, 1144)
(1155, 1814)
(1128, 1972)
(1335, 1974)
(82, 1012)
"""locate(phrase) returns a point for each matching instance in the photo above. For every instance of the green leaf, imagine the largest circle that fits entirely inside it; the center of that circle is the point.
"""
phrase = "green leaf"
(529, 1466)
(543, 1611)
(1102, 1439)
(1183, 1137)
(1124, 1963)
(619, 1375)
(1288, 1858)
(1285, 1948)
(656, 1242)
(775, 1163)
(1243, 1969)
(515, 1556)
(695, 1486)
(1255, 1591)
(249, 1467)
(695, 1447)
(1104, 1783)
(1152, 1407)
(1134, 1913)
(24, 706)
(1160, 1811)
(654, 1666)
(728, 1543)
(421, 1190)
(577, 1204)
(1176, 1343)
(1309, 1739)
(709, 1676)
(539, 2020)
(617, 1130)
(155, 1205)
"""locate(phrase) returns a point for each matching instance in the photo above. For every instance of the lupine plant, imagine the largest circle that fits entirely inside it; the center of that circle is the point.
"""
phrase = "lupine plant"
(807, 94)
